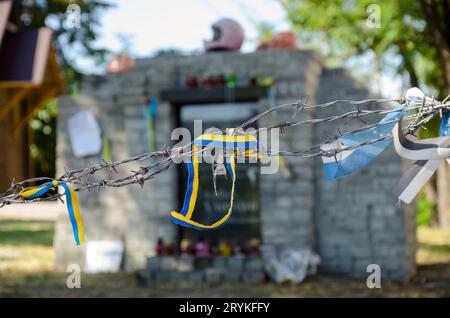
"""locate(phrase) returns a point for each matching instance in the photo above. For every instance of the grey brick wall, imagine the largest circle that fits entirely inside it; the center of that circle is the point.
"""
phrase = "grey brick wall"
(358, 220)
(103, 212)
(351, 223)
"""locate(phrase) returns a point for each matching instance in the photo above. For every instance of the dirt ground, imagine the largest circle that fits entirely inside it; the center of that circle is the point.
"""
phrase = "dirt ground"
(431, 281)
(26, 258)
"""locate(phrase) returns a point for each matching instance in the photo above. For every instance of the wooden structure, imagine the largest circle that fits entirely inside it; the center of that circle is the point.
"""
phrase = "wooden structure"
(29, 77)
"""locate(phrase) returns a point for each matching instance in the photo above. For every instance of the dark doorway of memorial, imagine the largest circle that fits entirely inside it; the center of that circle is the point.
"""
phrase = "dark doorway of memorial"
(243, 227)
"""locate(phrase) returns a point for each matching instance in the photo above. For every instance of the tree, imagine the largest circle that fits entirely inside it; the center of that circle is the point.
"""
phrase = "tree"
(417, 32)
(81, 40)
(436, 16)
(67, 38)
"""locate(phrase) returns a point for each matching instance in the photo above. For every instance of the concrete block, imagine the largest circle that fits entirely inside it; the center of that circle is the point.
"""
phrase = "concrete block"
(214, 275)
(153, 264)
(196, 277)
(231, 277)
(168, 263)
(162, 277)
(179, 277)
(253, 263)
(202, 263)
(253, 277)
(185, 263)
(220, 262)
(236, 263)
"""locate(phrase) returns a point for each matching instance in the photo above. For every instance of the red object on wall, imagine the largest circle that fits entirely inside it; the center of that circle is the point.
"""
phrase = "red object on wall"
(120, 64)
(281, 40)
(191, 81)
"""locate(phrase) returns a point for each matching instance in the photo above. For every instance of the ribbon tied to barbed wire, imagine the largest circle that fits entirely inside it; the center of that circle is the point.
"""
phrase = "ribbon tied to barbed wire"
(245, 145)
(355, 150)
(350, 155)
(428, 153)
(71, 200)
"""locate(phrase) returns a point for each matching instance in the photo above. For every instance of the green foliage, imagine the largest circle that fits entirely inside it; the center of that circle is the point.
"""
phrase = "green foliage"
(69, 42)
(42, 150)
(18, 232)
(425, 211)
(265, 31)
(340, 30)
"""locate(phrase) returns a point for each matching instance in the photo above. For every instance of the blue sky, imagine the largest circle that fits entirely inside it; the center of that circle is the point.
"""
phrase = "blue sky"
(152, 25)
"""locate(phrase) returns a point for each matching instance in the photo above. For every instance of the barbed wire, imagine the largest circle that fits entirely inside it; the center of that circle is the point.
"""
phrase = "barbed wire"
(83, 179)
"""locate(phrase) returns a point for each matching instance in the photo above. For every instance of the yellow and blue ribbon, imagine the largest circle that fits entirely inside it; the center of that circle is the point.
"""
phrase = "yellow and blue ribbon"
(72, 204)
(243, 143)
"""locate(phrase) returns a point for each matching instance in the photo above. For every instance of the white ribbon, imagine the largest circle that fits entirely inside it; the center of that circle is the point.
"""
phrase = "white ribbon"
(428, 153)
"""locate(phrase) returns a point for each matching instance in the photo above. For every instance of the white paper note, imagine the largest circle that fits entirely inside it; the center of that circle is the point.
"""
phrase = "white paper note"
(85, 134)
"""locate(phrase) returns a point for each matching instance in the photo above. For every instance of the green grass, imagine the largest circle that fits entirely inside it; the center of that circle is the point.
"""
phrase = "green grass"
(26, 270)
(26, 246)
(20, 233)
(433, 246)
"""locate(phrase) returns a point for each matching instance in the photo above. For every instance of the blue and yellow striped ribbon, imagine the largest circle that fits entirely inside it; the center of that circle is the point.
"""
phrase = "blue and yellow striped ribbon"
(72, 204)
(244, 143)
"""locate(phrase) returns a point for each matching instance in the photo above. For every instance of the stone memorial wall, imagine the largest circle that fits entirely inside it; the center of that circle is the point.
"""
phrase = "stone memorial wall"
(350, 223)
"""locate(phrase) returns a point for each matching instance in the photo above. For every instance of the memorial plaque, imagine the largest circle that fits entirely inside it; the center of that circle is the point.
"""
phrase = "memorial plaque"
(244, 223)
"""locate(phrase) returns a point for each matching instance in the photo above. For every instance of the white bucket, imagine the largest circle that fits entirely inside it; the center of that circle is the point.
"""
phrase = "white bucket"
(103, 256)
